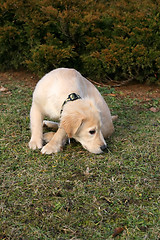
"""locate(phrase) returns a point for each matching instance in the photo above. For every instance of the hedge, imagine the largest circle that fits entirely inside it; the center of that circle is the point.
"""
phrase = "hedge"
(103, 39)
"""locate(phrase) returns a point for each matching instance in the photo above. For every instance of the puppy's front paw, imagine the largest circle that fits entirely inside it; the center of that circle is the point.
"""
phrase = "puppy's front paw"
(48, 136)
(33, 144)
(49, 148)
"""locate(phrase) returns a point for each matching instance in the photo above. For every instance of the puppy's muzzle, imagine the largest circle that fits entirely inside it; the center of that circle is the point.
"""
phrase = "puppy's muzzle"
(103, 147)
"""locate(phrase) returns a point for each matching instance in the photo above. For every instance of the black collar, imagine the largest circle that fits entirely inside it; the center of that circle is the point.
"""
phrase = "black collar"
(71, 97)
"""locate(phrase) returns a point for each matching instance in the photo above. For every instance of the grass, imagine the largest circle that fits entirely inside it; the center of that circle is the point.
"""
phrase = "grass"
(75, 194)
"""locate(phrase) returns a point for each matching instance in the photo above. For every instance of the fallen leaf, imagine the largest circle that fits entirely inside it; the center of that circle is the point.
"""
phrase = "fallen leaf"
(87, 173)
(117, 231)
(111, 94)
(147, 99)
(153, 109)
(3, 89)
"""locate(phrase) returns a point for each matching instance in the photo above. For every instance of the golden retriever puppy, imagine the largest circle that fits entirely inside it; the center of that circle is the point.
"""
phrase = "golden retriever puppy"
(64, 95)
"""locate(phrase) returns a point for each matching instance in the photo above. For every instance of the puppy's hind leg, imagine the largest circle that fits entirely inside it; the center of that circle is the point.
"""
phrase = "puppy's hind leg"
(114, 118)
(50, 124)
(48, 136)
(36, 119)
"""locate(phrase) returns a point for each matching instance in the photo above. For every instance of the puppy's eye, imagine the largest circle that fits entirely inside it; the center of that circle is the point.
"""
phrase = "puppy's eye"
(92, 132)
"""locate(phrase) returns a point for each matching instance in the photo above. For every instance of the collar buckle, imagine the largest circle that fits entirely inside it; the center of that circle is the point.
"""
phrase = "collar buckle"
(71, 97)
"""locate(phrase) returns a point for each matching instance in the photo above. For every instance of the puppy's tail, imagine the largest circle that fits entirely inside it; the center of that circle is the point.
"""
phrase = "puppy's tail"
(114, 118)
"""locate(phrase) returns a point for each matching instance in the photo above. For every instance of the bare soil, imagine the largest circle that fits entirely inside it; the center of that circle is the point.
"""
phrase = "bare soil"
(133, 90)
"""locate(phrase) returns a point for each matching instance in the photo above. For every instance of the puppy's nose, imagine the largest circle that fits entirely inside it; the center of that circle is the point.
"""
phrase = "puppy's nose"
(103, 147)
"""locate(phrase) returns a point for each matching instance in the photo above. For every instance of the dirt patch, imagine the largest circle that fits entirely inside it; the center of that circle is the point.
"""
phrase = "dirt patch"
(139, 91)
(28, 79)
(132, 90)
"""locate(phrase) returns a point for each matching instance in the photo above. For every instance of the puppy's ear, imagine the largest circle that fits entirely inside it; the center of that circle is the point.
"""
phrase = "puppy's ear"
(71, 123)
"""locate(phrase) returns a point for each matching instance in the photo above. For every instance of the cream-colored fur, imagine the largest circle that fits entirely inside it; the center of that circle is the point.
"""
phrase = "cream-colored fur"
(88, 120)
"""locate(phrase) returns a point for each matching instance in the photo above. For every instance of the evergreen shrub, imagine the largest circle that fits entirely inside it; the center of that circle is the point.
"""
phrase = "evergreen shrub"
(117, 40)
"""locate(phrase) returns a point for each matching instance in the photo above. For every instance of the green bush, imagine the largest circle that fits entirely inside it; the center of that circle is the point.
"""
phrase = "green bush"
(11, 47)
(133, 49)
(45, 58)
(102, 39)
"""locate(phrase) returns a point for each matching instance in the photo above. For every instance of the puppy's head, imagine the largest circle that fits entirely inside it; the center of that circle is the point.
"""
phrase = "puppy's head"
(81, 121)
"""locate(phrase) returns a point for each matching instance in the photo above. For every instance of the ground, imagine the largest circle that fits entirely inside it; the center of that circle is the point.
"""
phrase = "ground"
(75, 194)
(132, 90)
